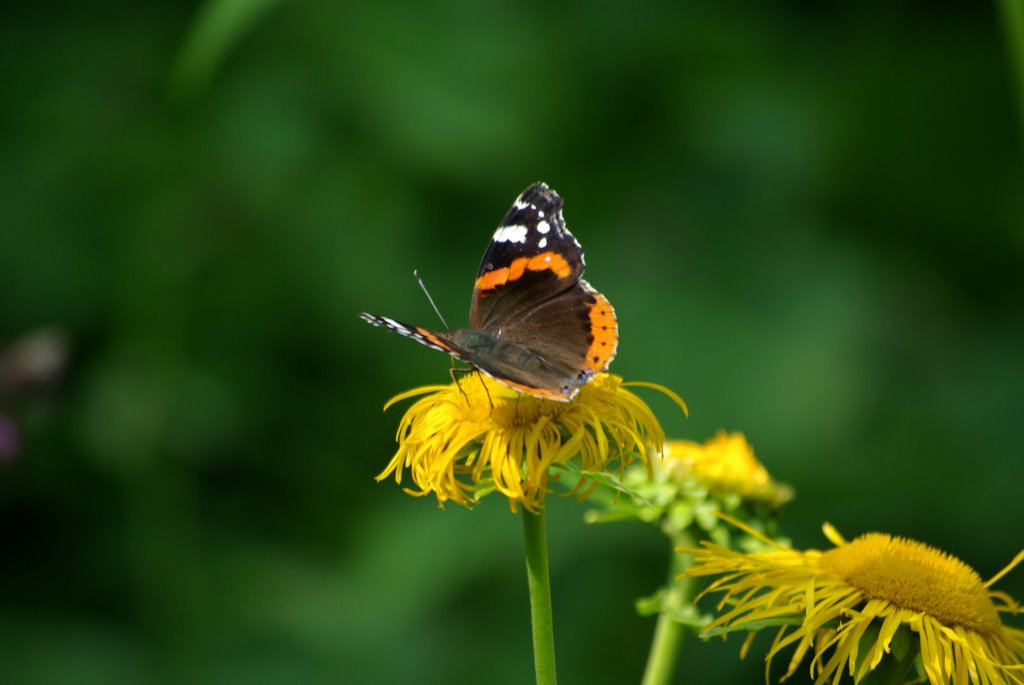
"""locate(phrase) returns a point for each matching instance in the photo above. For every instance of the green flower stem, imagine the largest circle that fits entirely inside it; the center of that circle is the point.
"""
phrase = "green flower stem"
(1012, 13)
(540, 597)
(668, 634)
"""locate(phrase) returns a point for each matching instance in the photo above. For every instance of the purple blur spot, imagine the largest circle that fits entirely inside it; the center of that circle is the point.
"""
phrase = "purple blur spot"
(10, 445)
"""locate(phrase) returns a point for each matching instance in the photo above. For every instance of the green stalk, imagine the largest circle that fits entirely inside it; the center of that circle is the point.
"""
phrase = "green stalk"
(669, 633)
(1012, 15)
(536, 544)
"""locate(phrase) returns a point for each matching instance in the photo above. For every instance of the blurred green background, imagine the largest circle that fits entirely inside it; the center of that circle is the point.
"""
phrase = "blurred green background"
(810, 218)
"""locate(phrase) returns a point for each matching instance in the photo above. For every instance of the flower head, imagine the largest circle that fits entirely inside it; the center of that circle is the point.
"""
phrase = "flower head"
(466, 439)
(725, 464)
(856, 604)
(692, 483)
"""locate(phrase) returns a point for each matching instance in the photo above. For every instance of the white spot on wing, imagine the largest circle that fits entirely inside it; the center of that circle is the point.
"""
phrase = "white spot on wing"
(510, 234)
(542, 243)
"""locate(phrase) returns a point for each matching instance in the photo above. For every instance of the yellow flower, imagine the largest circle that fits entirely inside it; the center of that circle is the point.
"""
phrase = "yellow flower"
(856, 604)
(463, 440)
(725, 463)
(692, 484)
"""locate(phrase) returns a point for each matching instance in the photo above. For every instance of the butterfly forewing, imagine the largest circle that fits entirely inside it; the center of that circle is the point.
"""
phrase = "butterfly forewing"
(532, 257)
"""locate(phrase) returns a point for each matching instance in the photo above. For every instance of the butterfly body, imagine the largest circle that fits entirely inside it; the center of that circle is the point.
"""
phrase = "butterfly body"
(535, 324)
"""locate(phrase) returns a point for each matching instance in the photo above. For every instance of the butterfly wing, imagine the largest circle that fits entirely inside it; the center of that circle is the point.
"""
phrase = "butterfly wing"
(505, 361)
(529, 293)
(531, 257)
(432, 339)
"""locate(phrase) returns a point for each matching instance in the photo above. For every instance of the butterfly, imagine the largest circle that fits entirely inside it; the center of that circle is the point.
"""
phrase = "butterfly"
(534, 324)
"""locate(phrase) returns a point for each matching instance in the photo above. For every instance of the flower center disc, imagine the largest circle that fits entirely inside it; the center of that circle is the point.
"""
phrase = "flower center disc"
(914, 576)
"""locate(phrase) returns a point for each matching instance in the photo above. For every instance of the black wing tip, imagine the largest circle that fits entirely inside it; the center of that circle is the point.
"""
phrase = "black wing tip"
(542, 195)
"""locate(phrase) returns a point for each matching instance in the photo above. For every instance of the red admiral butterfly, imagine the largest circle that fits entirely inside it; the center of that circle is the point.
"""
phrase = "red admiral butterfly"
(534, 324)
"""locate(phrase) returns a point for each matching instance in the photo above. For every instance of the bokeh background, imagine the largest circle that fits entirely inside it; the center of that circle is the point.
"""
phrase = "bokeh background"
(810, 217)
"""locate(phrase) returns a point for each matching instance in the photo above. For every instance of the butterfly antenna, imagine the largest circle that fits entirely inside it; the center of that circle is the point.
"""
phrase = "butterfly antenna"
(423, 287)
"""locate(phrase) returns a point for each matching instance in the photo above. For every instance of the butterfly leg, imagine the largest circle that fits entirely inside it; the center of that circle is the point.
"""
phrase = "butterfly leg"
(457, 372)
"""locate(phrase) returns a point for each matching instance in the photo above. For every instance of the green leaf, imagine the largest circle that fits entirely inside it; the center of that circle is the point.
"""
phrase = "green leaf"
(609, 480)
(651, 604)
(611, 515)
(691, 616)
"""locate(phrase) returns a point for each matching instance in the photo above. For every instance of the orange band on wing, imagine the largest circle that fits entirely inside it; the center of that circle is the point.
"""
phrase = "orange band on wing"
(433, 339)
(545, 261)
(605, 330)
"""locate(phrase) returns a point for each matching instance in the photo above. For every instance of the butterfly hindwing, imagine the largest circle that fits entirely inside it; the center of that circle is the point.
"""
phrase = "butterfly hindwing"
(575, 332)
